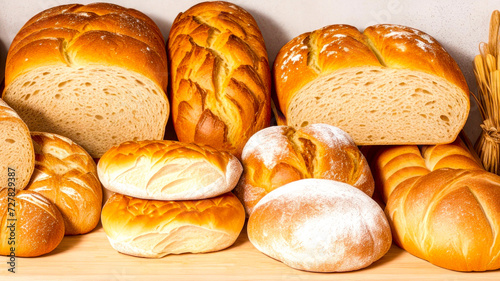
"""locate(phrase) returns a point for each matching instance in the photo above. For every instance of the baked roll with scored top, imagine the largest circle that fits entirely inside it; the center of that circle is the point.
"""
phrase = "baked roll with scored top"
(390, 84)
(221, 81)
(168, 170)
(278, 155)
(153, 228)
(67, 176)
(96, 69)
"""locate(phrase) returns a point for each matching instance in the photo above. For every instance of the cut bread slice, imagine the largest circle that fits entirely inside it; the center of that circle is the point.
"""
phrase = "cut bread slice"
(17, 156)
(388, 85)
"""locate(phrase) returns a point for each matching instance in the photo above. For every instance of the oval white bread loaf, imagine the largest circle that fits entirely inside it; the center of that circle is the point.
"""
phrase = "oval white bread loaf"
(67, 176)
(38, 228)
(88, 72)
(16, 148)
(393, 165)
(390, 84)
(168, 170)
(449, 217)
(221, 81)
(320, 225)
(153, 229)
(278, 155)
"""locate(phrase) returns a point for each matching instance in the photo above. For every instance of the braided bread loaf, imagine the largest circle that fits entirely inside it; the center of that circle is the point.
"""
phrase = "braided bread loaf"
(95, 69)
(221, 80)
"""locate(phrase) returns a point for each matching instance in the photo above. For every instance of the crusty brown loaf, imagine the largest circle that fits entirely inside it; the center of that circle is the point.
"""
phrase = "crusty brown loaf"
(278, 155)
(388, 85)
(449, 217)
(67, 176)
(394, 165)
(320, 225)
(221, 82)
(39, 227)
(168, 170)
(151, 228)
(16, 148)
(96, 68)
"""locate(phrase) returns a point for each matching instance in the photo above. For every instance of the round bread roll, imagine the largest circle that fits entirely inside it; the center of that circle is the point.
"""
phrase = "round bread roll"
(450, 218)
(278, 155)
(38, 226)
(67, 175)
(154, 229)
(168, 170)
(320, 225)
(16, 148)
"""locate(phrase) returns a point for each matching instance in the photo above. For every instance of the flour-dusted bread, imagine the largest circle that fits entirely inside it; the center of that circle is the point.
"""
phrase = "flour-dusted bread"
(16, 149)
(38, 226)
(388, 85)
(67, 176)
(153, 229)
(168, 170)
(96, 74)
(449, 217)
(278, 155)
(221, 82)
(320, 225)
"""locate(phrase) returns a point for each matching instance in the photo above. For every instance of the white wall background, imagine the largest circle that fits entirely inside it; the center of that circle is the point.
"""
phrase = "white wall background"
(459, 25)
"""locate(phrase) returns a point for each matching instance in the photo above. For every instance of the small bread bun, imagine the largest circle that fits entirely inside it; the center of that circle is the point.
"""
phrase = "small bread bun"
(153, 229)
(38, 224)
(278, 155)
(320, 225)
(168, 170)
(67, 175)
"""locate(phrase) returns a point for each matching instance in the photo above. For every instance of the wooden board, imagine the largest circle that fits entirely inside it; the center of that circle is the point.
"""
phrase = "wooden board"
(90, 257)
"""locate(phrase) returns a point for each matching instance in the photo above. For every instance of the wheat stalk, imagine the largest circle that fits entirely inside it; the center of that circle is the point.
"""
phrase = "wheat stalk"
(486, 69)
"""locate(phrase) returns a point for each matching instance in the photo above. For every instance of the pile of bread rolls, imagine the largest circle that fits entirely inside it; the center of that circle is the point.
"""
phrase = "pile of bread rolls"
(97, 74)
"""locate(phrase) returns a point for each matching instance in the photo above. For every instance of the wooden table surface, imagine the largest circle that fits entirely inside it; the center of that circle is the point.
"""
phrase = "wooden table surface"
(90, 257)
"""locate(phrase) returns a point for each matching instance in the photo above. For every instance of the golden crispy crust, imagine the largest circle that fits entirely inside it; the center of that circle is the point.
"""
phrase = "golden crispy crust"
(39, 227)
(76, 35)
(221, 80)
(67, 176)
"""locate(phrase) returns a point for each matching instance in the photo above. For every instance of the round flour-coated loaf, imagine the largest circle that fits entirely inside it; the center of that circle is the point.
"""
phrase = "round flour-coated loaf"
(168, 170)
(320, 225)
(278, 155)
(153, 229)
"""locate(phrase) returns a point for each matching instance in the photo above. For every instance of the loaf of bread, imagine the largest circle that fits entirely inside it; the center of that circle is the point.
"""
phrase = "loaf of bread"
(153, 229)
(16, 149)
(67, 176)
(35, 223)
(388, 85)
(168, 170)
(394, 165)
(449, 217)
(278, 155)
(221, 82)
(320, 225)
(88, 72)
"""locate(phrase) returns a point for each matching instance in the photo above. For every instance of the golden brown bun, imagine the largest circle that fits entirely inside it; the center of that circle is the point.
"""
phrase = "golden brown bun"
(94, 68)
(168, 170)
(278, 155)
(67, 176)
(151, 228)
(16, 148)
(320, 225)
(39, 227)
(394, 165)
(221, 81)
(390, 84)
(449, 217)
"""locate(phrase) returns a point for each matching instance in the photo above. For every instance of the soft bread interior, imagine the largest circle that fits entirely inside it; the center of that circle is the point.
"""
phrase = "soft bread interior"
(16, 152)
(397, 105)
(95, 106)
